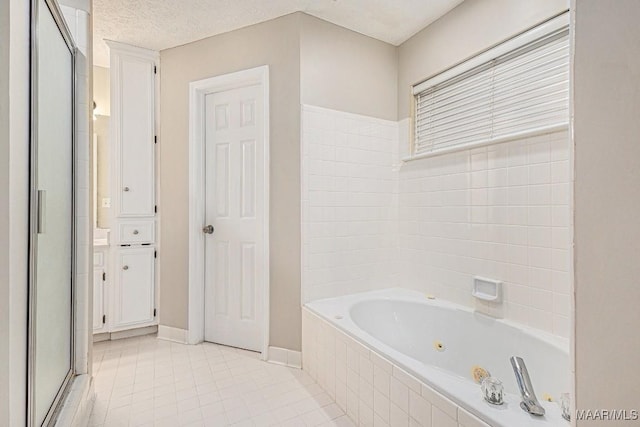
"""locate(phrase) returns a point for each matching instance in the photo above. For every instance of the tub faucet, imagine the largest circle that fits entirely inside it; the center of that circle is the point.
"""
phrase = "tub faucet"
(529, 402)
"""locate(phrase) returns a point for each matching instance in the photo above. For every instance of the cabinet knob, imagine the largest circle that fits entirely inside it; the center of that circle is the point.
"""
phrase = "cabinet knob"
(125, 267)
(125, 189)
(135, 231)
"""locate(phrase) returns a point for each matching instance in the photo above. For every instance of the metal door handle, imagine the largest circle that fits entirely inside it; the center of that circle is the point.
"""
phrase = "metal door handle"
(208, 229)
(41, 206)
(126, 189)
(135, 231)
(126, 267)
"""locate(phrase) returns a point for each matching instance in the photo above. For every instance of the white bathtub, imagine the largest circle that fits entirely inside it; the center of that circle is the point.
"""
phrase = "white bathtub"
(404, 327)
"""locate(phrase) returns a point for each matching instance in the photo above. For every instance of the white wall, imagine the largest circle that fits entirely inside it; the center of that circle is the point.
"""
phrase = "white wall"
(310, 61)
(101, 91)
(14, 191)
(349, 203)
(347, 71)
(607, 205)
(274, 43)
(5, 182)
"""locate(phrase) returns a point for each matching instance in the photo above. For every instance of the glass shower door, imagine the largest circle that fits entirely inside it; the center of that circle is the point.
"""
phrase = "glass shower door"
(52, 261)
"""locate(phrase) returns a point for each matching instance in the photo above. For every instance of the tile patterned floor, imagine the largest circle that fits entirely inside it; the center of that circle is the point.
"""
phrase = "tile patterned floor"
(144, 381)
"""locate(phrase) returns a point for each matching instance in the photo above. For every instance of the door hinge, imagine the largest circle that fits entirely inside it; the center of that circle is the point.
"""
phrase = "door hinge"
(104, 319)
(155, 69)
(155, 139)
(154, 312)
(104, 276)
(155, 254)
(155, 209)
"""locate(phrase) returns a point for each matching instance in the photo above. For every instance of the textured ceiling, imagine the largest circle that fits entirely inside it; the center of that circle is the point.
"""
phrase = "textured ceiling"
(161, 24)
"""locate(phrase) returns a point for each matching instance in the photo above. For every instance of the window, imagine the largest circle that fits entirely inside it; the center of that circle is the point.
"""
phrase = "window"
(516, 89)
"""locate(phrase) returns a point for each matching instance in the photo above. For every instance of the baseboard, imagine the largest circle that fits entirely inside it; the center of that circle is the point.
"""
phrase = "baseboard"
(102, 336)
(128, 333)
(286, 357)
(168, 333)
(137, 332)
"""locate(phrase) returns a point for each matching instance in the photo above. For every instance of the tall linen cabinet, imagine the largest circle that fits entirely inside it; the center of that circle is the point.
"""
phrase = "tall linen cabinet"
(132, 296)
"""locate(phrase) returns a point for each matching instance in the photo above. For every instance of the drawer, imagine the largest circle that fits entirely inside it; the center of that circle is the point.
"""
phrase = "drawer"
(136, 232)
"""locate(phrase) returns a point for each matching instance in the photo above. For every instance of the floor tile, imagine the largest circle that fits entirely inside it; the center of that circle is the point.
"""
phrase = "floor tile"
(144, 381)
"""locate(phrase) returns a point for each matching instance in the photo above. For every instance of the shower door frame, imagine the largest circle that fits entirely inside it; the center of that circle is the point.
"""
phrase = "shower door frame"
(34, 210)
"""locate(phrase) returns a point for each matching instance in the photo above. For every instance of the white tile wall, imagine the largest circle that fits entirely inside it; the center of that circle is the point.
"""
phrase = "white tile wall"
(349, 203)
(501, 211)
(370, 389)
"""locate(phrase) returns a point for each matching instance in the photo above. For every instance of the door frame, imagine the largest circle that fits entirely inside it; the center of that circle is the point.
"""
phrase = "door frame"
(197, 195)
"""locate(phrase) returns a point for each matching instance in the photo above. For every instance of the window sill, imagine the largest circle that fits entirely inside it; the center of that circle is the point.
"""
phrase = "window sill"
(506, 138)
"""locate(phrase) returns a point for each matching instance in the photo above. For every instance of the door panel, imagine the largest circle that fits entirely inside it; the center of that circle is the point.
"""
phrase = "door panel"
(51, 321)
(137, 138)
(134, 292)
(235, 256)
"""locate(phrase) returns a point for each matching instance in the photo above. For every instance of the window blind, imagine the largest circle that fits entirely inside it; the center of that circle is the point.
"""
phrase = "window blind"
(520, 91)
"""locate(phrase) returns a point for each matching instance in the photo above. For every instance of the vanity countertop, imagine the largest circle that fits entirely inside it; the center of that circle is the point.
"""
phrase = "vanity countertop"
(100, 237)
(100, 242)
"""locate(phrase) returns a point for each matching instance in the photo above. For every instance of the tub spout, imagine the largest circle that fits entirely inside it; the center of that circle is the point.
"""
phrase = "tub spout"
(529, 402)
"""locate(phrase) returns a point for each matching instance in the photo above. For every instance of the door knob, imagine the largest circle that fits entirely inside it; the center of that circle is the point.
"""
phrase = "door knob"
(126, 267)
(208, 229)
(126, 189)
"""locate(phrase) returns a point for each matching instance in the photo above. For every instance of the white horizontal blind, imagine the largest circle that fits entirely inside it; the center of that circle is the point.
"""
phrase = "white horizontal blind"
(522, 91)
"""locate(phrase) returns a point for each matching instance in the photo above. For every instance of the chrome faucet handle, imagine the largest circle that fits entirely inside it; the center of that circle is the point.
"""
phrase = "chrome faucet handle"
(529, 402)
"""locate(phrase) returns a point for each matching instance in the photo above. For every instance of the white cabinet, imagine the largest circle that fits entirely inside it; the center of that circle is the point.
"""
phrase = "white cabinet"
(134, 296)
(135, 157)
(133, 130)
(100, 256)
(131, 296)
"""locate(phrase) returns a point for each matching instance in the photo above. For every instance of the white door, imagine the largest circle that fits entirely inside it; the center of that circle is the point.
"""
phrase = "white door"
(135, 137)
(235, 200)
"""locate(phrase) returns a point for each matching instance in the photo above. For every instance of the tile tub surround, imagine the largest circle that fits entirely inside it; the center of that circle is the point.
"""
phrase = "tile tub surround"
(349, 203)
(372, 390)
(371, 222)
(369, 388)
(501, 211)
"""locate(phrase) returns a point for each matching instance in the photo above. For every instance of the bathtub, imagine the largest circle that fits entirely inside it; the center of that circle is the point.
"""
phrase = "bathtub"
(435, 343)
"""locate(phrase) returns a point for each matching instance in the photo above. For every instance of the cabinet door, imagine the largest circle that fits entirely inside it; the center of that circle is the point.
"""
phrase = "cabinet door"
(134, 290)
(98, 298)
(135, 142)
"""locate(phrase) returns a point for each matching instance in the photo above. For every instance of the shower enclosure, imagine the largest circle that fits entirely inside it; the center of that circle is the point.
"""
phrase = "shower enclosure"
(52, 207)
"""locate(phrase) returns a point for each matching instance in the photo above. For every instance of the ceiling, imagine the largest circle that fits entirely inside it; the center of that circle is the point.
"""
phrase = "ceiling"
(161, 24)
